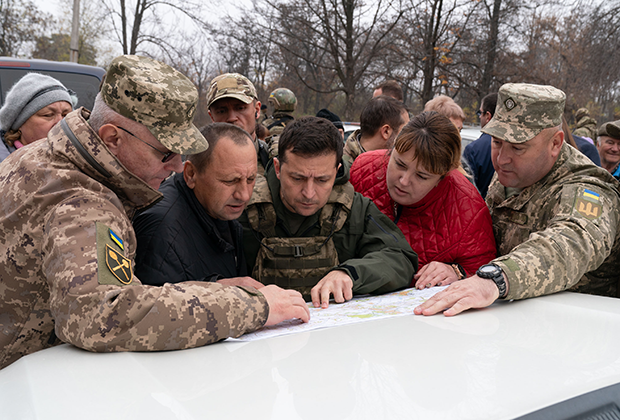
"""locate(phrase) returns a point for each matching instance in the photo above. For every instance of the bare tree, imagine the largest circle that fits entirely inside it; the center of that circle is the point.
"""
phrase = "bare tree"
(328, 36)
(138, 23)
(20, 23)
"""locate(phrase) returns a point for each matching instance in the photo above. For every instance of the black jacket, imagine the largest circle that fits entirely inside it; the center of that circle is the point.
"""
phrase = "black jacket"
(178, 240)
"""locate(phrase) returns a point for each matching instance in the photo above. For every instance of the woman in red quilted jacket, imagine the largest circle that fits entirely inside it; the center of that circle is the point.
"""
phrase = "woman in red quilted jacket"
(441, 213)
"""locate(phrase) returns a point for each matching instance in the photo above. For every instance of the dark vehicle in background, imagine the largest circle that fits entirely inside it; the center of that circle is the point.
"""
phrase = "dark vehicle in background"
(83, 80)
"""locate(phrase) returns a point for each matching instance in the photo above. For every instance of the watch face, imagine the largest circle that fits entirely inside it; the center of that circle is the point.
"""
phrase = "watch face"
(488, 269)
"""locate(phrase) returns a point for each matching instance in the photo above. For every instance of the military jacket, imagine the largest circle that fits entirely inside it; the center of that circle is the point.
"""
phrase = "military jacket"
(68, 249)
(586, 127)
(371, 249)
(560, 233)
(276, 123)
(352, 147)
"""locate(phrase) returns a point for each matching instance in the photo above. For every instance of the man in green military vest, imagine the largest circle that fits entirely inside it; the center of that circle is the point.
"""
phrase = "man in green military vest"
(306, 229)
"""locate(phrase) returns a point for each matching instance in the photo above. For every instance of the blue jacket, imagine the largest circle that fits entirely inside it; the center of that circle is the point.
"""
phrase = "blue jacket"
(478, 155)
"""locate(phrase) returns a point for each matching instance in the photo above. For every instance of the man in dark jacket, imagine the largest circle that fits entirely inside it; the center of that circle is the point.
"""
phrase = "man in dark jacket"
(192, 233)
(478, 153)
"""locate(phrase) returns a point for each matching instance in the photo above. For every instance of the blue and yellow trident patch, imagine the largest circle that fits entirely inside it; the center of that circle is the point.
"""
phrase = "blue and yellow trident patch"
(588, 204)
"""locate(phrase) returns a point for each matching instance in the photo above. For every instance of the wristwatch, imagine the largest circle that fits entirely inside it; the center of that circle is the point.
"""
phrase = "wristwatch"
(495, 273)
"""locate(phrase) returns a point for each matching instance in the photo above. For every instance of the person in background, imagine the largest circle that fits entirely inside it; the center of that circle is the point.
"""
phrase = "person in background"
(389, 88)
(232, 99)
(335, 119)
(608, 144)
(581, 144)
(477, 154)
(585, 125)
(282, 104)
(380, 122)
(446, 106)
(439, 211)
(34, 104)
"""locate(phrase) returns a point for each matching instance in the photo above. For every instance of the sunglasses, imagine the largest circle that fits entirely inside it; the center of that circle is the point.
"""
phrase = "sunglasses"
(167, 155)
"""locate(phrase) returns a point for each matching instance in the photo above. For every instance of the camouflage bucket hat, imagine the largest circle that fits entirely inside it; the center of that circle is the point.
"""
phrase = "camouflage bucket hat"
(525, 110)
(157, 96)
(610, 129)
(231, 85)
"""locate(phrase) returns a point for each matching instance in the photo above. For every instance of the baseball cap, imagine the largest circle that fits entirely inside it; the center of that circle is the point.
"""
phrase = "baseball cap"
(524, 110)
(157, 96)
(610, 129)
(231, 85)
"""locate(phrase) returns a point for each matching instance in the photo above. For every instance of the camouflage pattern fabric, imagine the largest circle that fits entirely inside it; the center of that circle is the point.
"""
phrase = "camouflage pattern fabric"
(276, 123)
(157, 96)
(300, 262)
(69, 246)
(282, 99)
(352, 147)
(369, 246)
(586, 127)
(560, 233)
(524, 110)
(231, 85)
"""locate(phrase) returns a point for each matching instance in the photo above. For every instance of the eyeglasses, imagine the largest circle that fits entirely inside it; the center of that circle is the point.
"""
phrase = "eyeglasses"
(478, 113)
(167, 155)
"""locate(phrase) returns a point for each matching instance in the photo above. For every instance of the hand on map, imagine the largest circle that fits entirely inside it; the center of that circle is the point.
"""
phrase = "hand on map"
(284, 304)
(472, 292)
(434, 274)
(336, 283)
(241, 281)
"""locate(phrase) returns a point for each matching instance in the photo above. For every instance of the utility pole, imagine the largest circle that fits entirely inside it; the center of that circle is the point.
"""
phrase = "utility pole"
(75, 32)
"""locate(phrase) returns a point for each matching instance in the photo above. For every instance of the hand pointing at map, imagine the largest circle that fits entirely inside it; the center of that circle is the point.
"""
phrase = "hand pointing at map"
(284, 304)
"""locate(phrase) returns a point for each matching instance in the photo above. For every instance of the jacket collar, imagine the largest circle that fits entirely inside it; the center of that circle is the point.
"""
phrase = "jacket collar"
(207, 221)
(559, 170)
(74, 139)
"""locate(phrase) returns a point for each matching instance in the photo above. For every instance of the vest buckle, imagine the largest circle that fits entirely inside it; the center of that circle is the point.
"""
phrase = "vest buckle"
(299, 251)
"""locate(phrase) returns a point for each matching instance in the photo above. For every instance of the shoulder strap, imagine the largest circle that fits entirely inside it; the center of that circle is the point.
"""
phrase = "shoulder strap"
(260, 210)
(336, 212)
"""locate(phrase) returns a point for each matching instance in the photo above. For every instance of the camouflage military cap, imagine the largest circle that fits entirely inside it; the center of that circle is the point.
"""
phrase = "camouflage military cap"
(525, 110)
(231, 85)
(157, 96)
(610, 129)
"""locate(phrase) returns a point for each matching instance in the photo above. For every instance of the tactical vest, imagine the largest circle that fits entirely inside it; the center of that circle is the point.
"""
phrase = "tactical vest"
(297, 262)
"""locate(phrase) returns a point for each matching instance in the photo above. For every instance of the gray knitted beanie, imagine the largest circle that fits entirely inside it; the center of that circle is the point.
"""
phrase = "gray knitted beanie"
(31, 93)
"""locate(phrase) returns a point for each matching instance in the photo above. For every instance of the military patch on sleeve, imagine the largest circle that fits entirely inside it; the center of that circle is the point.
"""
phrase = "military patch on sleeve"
(118, 265)
(113, 267)
(118, 241)
(588, 204)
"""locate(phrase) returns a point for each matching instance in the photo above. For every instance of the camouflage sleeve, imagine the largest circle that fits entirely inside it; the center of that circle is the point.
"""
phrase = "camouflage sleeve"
(373, 251)
(94, 310)
(577, 239)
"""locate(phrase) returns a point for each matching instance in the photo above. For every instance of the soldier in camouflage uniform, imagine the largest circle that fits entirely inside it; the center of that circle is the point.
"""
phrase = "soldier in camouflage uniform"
(555, 214)
(232, 99)
(306, 228)
(283, 102)
(380, 122)
(66, 234)
(586, 125)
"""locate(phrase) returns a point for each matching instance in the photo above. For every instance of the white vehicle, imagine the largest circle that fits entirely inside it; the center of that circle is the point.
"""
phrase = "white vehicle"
(497, 363)
(468, 135)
